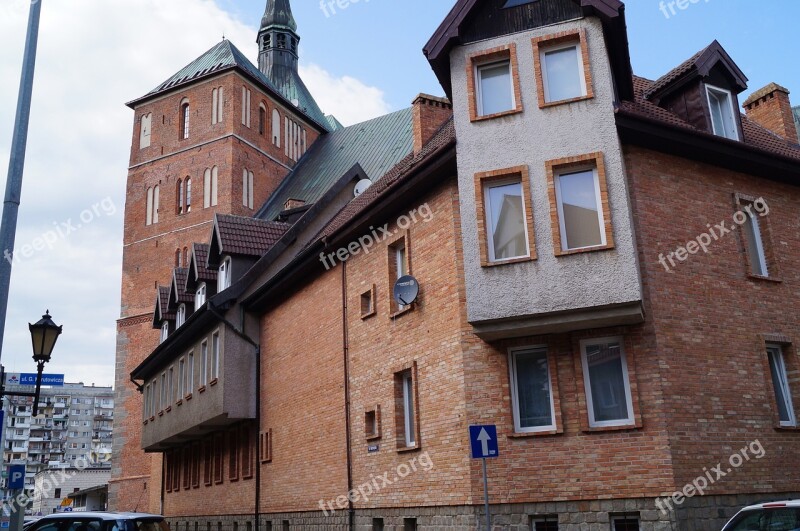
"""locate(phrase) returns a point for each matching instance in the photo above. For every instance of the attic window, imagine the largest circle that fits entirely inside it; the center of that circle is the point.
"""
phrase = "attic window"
(723, 117)
(515, 3)
(164, 331)
(181, 318)
(224, 276)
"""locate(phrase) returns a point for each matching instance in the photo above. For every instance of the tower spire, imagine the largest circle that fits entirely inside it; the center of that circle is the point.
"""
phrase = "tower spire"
(277, 38)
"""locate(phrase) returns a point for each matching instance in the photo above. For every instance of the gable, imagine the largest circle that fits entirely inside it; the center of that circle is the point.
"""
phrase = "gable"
(493, 19)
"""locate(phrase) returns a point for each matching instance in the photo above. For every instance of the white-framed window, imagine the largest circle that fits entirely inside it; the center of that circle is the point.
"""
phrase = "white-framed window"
(606, 382)
(531, 390)
(224, 275)
(408, 409)
(185, 115)
(190, 372)
(400, 264)
(145, 130)
(181, 378)
(203, 363)
(147, 398)
(210, 187)
(247, 188)
(580, 210)
(215, 355)
(164, 331)
(507, 233)
(276, 128)
(162, 402)
(562, 72)
(180, 318)
(171, 385)
(200, 295)
(780, 383)
(495, 88)
(723, 113)
(755, 245)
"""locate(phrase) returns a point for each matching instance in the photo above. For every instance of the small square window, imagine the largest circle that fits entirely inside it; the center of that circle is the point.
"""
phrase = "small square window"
(493, 83)
(368, 303)
(544, 522)
(377, 524)
(628, 522)
(409, 524)
(721, 108)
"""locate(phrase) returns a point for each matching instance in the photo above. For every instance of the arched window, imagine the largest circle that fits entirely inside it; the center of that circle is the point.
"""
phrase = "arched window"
(214, 176)
(145, 129)
(184, 123)
(148, 220)
(247, 188)
(156, 201)
(276, 128)
(262, 119)
(177, 257)
(179, 194)
(185, 257)
(188, 185)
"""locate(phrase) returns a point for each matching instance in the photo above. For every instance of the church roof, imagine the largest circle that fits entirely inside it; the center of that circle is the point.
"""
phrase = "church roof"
(376, 145)
(278, 13)
(225, 56)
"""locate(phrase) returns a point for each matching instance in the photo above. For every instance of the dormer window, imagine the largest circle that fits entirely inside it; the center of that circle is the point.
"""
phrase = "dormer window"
(200, 295)
(164, 331)
(224, 276)
(181, 317)
(723, 117)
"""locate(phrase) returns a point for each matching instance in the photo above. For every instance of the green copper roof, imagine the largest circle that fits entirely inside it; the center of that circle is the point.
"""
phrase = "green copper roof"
(796, 111)
(377, 145)
(278, 13)
(226, 56)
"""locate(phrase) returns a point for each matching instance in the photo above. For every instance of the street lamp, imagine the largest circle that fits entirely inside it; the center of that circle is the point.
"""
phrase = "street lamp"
(43, 336)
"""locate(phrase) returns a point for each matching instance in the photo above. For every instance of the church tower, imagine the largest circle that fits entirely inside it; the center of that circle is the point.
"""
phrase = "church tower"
(217, 137)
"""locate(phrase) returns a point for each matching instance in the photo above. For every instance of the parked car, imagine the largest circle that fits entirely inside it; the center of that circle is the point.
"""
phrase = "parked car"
(99, 521)
(773, 516)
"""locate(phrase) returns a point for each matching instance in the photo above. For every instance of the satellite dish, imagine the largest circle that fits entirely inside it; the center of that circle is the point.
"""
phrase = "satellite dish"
(406, 290)
(361, 187)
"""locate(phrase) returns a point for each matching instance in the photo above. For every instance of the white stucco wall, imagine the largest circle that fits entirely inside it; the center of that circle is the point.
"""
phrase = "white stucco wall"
(531, 138)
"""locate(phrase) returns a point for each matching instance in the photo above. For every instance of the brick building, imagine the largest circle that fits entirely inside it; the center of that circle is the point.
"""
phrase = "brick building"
(563, 295)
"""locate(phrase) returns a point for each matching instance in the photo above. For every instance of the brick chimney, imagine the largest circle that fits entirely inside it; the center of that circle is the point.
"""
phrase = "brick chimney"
(770, 108)
(429, 113)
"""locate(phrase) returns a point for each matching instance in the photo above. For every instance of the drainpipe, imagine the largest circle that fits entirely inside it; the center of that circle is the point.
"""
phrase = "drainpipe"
(351, 521)
(213, 309)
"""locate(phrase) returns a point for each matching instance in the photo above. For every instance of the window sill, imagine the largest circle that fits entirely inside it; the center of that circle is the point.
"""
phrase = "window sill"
(153, 418)
(510, 261)
(398, 313)
(161, 413)
(373, 436)
(213, 382)
(773, 280)
(481, 118)
(169, 408)
(601, 429)
(408, 449)
(787, 428)
(585, 250)
(179, 402)
(202, 389)
(558, 103)
(365, 316)
(534, 434)
(188, 397)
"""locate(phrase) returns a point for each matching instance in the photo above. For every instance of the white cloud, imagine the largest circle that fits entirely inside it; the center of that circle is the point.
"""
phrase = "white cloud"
(94, 55)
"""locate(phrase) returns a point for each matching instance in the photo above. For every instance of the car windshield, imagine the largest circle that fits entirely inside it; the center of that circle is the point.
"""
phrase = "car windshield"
(70, 524)
(771, 519)
(150, 525)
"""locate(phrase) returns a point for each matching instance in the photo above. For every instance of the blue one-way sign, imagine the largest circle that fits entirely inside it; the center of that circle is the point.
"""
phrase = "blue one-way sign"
(483, 440)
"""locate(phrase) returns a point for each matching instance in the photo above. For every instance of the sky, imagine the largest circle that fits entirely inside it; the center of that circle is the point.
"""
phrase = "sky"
(359, 62)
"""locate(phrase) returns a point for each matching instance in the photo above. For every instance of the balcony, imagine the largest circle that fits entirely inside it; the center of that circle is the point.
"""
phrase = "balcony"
(226, 400)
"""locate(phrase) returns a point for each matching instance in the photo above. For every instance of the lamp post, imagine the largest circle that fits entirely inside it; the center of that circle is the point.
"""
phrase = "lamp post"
(43, 336)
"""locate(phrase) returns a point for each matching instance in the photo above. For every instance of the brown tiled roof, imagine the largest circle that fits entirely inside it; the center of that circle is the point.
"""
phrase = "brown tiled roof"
(178, 293)
(673, 74)
(753, 134)
(248, 236)
(200, 262)
(443, 138)
(162, 306)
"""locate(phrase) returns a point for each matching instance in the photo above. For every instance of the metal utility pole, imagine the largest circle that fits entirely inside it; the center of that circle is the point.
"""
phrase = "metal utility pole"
(16, 165)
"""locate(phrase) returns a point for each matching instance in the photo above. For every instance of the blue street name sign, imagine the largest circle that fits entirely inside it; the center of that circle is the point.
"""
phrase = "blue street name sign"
(47, 379)
(483, 440)
(16, 477)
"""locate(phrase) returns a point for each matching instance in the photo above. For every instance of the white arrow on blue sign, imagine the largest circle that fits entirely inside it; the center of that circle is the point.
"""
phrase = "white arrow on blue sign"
(483, 440)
